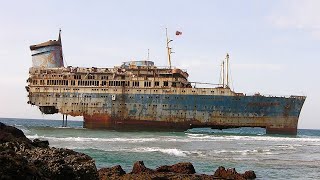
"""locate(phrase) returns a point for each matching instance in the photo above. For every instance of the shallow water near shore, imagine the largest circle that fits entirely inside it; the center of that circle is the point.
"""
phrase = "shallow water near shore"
(270, 156)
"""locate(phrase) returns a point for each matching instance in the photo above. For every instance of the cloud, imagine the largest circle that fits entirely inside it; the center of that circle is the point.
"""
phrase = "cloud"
(295, 14)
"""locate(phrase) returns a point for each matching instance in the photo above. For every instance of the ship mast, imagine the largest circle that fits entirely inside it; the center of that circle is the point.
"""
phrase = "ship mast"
(227, 67)
(224, 73)
(168, 48)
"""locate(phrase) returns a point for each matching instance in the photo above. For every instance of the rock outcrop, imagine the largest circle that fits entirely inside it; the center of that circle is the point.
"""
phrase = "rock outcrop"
(182, 168)
(111, 173)
(20, 158)
(12, 134)
(233, 174)
(178, 171)
(139, 167)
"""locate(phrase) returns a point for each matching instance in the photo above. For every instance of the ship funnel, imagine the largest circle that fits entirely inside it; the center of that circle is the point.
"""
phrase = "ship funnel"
(47, 54)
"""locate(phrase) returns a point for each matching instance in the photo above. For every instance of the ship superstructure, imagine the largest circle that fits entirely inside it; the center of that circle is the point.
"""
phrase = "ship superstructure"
(138, 95)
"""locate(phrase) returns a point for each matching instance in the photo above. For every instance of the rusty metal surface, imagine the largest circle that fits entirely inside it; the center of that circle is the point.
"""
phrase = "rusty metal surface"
(272, 125)
(47, 54)
(48, 57)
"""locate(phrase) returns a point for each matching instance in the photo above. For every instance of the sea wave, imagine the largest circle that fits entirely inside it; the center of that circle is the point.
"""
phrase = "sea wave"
(88, 139)
(186, 139)
(244, 152)
(169, 151)
(271, 150)
(205, 137)
(173, 151)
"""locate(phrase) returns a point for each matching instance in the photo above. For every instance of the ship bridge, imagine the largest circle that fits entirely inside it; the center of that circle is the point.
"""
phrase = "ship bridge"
(133, 64)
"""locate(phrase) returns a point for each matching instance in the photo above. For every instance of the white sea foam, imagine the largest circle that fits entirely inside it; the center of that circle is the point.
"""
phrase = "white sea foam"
(203, 137)
(34, 136)
(169, 151)
(189, 138)
(22, 128)
(284, 147)
(87, 139)
(25, 131)
(244, 152)
(174, 151)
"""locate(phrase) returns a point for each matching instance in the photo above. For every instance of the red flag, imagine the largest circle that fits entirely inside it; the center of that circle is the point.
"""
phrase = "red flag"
(178, 33)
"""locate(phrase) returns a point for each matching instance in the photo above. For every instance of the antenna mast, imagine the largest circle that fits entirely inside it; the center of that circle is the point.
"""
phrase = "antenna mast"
(168, 48)
(227, 67)
(224, 72)
(223, 75)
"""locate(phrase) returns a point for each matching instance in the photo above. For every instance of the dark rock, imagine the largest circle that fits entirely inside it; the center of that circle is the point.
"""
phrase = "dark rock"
(249, 175)
(164, 176)
(22, 159)
(182, 168)
(40, 143)
(10, 133)
(17, 167)
(220, 172)
(111, 173)
(139, 167)
(175, 172)
(231, 173)
(164, 168)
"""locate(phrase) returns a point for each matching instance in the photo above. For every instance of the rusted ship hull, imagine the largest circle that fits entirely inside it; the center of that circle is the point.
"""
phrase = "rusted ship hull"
(286, 126)
(278, 115)
(103, 121)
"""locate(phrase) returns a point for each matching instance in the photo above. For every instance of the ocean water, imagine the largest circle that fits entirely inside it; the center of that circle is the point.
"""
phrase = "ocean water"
(270, 156)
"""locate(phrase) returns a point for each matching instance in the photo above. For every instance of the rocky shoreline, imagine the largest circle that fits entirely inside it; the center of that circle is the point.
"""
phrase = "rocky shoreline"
(21, 158)
(184, 170)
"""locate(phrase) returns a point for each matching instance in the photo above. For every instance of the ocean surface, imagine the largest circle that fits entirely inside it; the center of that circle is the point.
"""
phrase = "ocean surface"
(270, 156)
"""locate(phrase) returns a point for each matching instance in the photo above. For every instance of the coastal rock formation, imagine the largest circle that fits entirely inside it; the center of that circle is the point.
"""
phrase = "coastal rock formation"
(249, 175)
(139, 167)
(40, 143)
(20, 158)
(111, 173)
(182, 168)
(10, 134)
(233, 174)
(178, 171)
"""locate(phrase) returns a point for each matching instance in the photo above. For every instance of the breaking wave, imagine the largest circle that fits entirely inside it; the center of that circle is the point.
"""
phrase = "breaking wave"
(174, 151)
(205, 137)
(188, 138)
(169, 151)
(87, 139)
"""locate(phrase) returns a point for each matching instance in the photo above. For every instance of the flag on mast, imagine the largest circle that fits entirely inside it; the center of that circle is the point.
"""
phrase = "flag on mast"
(178, 33)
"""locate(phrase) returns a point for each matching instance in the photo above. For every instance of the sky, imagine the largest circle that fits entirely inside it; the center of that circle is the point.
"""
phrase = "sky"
(273, 45)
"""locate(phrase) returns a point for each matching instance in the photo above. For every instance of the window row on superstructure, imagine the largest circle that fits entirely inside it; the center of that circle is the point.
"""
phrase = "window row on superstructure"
(103, 83)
